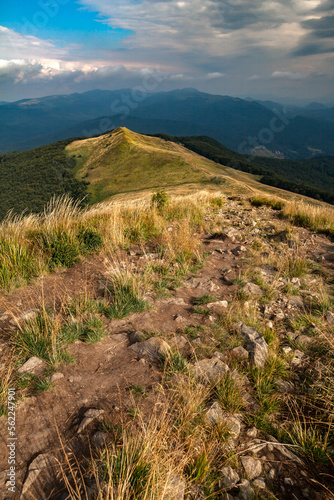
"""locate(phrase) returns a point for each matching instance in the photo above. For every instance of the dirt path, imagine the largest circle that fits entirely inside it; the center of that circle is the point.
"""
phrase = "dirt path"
(103, 373)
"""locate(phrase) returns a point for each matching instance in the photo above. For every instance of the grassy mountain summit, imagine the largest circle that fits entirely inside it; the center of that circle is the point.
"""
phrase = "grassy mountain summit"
(124, 161)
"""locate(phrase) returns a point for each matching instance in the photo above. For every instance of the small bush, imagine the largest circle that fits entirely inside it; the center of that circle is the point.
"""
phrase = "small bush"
(125, 297)
(216, 202)
(160, 199)
(90, 240)
(63, 249)
(17, 263)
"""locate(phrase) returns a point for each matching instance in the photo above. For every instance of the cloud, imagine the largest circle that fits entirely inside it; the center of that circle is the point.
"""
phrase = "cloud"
(219, 46)
(287, 75)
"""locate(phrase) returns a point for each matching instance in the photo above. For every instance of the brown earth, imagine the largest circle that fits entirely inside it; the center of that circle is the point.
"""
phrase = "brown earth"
(103, 373)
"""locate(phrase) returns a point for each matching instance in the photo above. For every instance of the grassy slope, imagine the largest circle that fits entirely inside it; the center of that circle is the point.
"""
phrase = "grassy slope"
(126, 164)
(124, 161)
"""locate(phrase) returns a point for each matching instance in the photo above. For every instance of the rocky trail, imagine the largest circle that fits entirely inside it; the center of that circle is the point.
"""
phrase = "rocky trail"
(108, 379)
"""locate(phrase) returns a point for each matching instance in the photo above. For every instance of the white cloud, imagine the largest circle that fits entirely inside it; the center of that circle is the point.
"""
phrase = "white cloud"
(287, 75)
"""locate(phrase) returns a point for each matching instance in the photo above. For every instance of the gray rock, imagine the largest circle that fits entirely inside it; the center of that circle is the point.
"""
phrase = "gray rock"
(296, 302)
(32, 365)
(175, 301)
(252, 433)
(233, 424)
(41, 462)
(279, 316)
(89, 416)
(246, 492)
(304, 340)
(175, 488)
(229, 478)
(259, 484)
(299, 359)
(203, 283)
(285, 387)
(252, 466)
(100, 439)
(26, 316)
(253, 290)
(56, 376)
(231, 232)
(180, 319)
(210, 369)
(217, 306)
(256, 345)
(239, 352)
(330, 317)
(215, 414)
(155, 348)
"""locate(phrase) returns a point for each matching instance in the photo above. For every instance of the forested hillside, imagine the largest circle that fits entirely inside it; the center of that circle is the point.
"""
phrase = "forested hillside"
(28, 179)
(310, 177)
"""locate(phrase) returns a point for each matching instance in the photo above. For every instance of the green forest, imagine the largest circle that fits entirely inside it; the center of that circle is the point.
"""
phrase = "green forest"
(29, 179)
(310, 177)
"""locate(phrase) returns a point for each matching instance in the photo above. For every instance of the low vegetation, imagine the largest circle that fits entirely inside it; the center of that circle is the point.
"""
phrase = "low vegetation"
(175, 441)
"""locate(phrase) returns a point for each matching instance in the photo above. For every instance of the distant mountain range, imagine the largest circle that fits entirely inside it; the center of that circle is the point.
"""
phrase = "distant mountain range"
(252, 127)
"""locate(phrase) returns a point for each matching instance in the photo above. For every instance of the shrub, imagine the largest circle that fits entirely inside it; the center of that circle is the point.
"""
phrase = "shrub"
(61, 246)
(16, 263)
(90, 240)
(160, 199)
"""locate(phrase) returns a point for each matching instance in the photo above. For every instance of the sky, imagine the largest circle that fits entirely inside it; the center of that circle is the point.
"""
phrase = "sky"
(265, 49)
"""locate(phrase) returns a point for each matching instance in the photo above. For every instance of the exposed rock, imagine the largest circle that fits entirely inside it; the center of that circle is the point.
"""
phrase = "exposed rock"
(279, 316)
(330, 317)
(304, 340)
(204, 283)
(100, 439)
(41, 462)
(56, 376)
(220, 356)
(252, 433)
(231, 232)
(299, 359)
(259, 484)
(178, 301)
(256, 345)
(229, 478)
(253, 290)
(217, 306)
(155, 348)
(89, 416)
(286, 349)
(239, 352)
(215, 414)
(175, 488)
(246, 492)
(137, 336)
(252, 466)
(239, 250)
(210, 369)
(26, 316)
(229, 276)
(195, 492)
(285, 387)
(296, 282)
(33, 365)
(297, 302)
(180, 319)
(233, 424)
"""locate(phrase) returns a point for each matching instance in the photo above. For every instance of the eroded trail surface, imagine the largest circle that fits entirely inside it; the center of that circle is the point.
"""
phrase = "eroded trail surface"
(122, 373)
